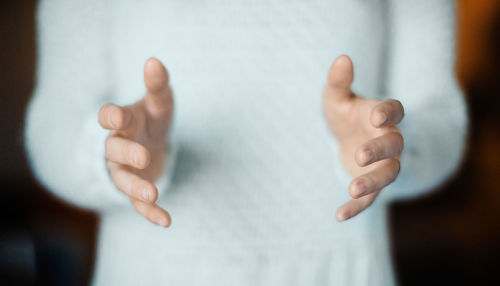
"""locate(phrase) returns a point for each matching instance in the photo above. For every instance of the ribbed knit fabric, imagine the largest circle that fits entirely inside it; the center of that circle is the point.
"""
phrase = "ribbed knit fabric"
(257, 176)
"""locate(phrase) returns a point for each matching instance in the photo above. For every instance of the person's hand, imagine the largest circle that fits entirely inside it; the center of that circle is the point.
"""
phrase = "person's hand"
(136, 145)
(369, 140)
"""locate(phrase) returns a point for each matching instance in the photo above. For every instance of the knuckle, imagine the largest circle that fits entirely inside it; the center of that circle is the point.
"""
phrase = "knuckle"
(365, 154)
(138, 155)
(145, 191)
(142, 156)
(377, 147)
(341, 108)
(117, 182)
(137, 188)
(126, 150)
(153, 194)
(353, 186)
(130, 153)
(370, 181)
(359, 187)
(140, 208)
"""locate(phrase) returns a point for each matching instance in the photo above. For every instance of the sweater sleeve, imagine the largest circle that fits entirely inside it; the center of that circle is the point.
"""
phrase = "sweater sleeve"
(64, 141)
(420, 74)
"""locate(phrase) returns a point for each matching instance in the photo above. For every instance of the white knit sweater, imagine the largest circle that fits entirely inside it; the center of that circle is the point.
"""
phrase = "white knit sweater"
(257, 177)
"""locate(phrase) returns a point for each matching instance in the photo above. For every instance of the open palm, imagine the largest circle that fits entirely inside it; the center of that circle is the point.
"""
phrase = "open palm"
(136, 145)
(367, 132)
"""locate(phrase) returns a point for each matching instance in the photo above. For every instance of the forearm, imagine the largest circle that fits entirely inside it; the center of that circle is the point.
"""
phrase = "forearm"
(66, 151)
(65, 147)
(420, 74)
(434, 133)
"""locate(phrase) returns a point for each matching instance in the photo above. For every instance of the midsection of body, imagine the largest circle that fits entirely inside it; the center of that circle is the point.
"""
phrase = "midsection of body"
(255, 161)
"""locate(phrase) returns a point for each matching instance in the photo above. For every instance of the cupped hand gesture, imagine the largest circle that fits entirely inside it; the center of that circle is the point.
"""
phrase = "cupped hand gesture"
(369, 139)
(136, 145)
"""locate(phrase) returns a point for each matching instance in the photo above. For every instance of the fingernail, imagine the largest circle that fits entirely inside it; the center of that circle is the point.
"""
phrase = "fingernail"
(382, 118)
(145, 194)
(367, 156)
(161, 221)
(341, 217)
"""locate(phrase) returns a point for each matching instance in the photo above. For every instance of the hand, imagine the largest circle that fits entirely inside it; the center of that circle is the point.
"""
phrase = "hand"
(136, 145)
(369, 140)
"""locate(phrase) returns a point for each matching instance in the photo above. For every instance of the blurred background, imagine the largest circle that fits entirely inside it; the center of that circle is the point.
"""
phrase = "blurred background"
(450, 237)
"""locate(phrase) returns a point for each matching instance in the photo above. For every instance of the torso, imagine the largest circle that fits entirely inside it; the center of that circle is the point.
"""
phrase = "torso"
(255, 165)
(255, 157)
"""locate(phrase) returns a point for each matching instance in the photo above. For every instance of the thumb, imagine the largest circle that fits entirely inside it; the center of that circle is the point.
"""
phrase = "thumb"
(340, 77)
(158, 98)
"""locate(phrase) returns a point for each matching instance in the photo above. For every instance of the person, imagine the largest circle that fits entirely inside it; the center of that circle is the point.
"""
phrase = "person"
(252, 137)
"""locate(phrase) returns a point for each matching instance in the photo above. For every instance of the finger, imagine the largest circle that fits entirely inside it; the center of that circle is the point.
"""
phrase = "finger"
(340, 78)
(158, 97)
(128, 152)
(386, 146)
(114, 117)
(355, 206)
(152, 212)
(375, 180)
(389, 112)
(132, 185)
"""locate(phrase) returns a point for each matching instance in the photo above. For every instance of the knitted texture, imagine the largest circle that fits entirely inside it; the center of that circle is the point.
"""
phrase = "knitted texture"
(257, 175)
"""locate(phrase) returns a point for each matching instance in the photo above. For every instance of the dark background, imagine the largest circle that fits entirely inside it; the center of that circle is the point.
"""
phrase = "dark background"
(451, 237)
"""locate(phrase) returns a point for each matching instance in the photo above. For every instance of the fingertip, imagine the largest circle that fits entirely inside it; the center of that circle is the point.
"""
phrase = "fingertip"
(142, 158)
(101, 113)
(169, 220)
(104, 116)
(379, 119)
(153, 194)
(144, 192)
(341, 72)
(340, 215)
(364, 156)
(357, 188)
(164, 220)
(118, 118)
(155, 75)
(113, 117)
(154, 64)
(148, 195)
(399, 107)
(344, 63)
(344, 59)
(386, 113)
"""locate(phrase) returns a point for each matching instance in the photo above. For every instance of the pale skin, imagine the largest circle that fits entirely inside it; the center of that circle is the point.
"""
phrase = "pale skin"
(136, 145)
(367, 132)
(365, 128)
